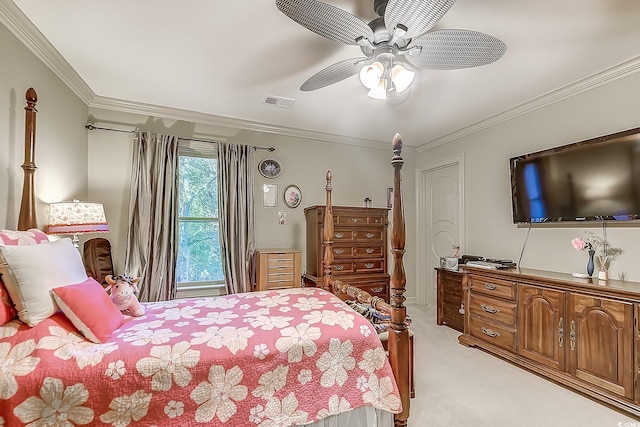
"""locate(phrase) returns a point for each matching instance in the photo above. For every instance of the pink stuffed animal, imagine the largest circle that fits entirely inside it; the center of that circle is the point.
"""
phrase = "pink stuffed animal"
(123, 294)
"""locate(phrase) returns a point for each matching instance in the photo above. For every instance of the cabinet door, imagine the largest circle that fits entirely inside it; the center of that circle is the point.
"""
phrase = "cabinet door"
(600, 342)
(541, 325)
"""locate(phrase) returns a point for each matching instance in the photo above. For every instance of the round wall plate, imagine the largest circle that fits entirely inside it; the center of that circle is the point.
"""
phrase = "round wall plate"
(269, 168)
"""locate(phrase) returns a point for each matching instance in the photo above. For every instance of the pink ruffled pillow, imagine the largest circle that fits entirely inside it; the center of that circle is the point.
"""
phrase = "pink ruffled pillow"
(15, 238)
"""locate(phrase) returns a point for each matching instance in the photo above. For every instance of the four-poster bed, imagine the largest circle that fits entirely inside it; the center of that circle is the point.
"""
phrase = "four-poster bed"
(279, 357)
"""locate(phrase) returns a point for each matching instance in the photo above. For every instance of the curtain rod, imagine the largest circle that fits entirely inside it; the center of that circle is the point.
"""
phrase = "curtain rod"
(94, 127)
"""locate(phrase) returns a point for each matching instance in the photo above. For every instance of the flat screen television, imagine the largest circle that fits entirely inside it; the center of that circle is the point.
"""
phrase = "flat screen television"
(592, 180)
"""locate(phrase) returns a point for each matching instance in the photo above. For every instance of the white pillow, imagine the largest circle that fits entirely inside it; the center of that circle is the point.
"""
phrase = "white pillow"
(30, 272)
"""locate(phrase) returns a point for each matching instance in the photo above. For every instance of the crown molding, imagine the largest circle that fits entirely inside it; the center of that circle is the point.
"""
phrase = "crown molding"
(16, 21)
(596, 80)
(171, 113)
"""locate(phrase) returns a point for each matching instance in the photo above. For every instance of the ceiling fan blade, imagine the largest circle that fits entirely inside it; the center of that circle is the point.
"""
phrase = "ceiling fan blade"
(327, 20)
(418, 16)
(456, 49)
(334, 73)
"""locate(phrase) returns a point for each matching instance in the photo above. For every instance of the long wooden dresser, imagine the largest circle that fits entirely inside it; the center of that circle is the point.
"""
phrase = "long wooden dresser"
(359, 249)
(581, 333)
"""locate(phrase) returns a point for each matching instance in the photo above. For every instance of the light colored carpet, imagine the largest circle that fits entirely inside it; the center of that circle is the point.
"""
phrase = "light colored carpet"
(458, 386)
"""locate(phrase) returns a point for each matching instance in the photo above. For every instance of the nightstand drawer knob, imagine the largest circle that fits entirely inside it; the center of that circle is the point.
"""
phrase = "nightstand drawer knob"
(369, 265)
(339, 235)
(369, 250)
(338, 251)
(490, 286)
(370, 235)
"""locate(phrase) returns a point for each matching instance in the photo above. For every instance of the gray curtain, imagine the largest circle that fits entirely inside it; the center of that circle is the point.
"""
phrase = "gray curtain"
(236, 215)
(153, 208)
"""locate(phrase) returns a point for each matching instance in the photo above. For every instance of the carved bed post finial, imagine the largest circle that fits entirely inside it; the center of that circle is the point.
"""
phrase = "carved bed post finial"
(399, 334)
(27, 218)
(327, 259)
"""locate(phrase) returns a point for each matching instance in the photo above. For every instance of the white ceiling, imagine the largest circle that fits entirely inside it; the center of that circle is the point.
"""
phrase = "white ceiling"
(219, 58)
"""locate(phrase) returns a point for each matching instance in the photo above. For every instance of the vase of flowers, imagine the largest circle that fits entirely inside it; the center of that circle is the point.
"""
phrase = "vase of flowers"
(599, 247)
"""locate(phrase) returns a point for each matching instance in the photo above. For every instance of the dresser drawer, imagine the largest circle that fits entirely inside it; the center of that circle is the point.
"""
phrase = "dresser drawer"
(494, 287)
(357, 219)
(280, 280)
(380, 290)
(370, 251)
(376, 265)
(502, 336)
(343, 235)
(343, 251)
(368, 235)
(280, 261)
(343, 267)
(492, 308)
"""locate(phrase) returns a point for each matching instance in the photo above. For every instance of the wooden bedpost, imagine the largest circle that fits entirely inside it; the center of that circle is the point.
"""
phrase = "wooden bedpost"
(327, 260)
(27, 218)
(398, 333)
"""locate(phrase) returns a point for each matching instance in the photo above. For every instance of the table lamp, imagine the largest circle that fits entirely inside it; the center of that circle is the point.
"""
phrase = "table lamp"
(76, 218)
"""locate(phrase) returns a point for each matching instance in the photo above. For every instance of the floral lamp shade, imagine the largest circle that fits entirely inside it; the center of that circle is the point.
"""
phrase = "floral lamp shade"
(76, 218)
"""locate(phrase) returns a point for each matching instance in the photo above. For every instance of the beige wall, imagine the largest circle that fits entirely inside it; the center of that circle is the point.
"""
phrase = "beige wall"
(61, 149)
(489, 227)
(358, 172)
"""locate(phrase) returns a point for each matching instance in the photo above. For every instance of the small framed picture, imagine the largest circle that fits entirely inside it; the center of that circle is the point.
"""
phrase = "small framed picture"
(389, 197)
(270, 195)
(292, 196)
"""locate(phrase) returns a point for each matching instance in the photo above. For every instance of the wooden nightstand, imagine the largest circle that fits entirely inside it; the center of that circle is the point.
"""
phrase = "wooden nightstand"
(277, 269)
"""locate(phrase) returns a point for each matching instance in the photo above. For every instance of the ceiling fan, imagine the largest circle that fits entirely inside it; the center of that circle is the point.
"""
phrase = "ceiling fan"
(399, 35)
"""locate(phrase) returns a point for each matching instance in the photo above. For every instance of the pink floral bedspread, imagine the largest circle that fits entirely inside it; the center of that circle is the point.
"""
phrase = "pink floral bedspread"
(274, 358)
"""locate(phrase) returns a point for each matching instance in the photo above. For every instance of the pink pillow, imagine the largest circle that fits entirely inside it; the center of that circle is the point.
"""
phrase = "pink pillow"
(90, 309)
(14, 238)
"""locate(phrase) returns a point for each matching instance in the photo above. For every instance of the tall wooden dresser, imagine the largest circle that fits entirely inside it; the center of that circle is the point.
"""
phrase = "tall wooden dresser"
(359, 249)
(277, 269)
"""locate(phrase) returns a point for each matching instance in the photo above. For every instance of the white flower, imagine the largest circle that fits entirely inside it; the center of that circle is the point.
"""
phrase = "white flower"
(168, 364)
(256, 414)
(380, 394)
(270, 382)
(365, 330)
(331, 318)
(372, 360)
(224, 302)
(15, 362)
(56, 406)
(68, 345)
(336, 362)
(362, 383)
(116, 370)
(305, 376)
(268, 323)
(174, 409)
(216, 397)
(23, 237)
(283, 413)
(273, 301)
(217, 318)
(260, 351)
(337, 405)
(149, 336)
(284, 309)
(125, 409)
(234, 339)
(9, 329)
(308, 304)
(179, 313)
(298, 340)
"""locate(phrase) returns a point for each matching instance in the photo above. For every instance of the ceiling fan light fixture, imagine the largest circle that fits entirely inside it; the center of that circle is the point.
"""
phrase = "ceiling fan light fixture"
(401, 77)
(380, 91)
(371, 75)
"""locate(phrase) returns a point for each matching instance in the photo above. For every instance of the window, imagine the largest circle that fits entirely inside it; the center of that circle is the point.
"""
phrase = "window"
(199, 263)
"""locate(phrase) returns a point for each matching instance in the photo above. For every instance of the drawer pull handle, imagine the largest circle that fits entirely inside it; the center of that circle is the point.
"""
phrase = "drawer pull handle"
(338, 251)
(369, 265)
(377, 290)
(339, 235)
(369, 235)
(354, 219)
(489, 309)
(490, 333)
(561, 332)
(572, 335)
(490, 286)
(339, 267)
(369, 250)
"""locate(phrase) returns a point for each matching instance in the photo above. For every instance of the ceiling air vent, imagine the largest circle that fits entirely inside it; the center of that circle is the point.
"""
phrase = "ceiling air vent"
(278, 101)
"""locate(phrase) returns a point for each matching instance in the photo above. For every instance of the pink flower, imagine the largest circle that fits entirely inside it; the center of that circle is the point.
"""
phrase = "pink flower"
(578, 244)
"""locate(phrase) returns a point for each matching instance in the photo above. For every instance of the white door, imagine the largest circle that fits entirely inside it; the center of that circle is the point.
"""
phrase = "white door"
(441, 223)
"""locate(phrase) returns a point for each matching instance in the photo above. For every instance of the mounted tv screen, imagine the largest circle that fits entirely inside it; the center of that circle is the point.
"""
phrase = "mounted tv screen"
(592, 180)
